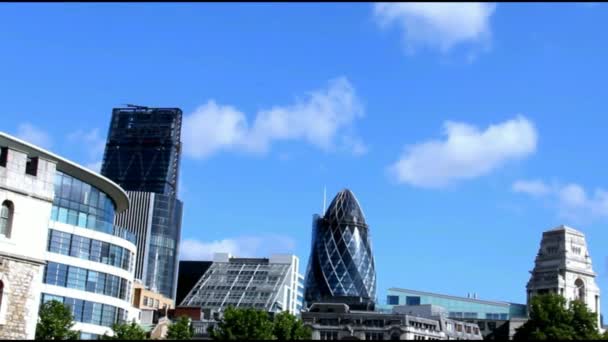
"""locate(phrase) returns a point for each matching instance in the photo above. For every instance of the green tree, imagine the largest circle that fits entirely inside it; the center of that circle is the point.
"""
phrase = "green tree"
(243, 324)
(181, 329)
(288, 327)
(551, 319)
(125, 331)
(55, 322)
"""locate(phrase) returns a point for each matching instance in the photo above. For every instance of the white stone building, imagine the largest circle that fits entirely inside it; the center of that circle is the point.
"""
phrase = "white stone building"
(563, 265)
(26, 195)
(58, 242)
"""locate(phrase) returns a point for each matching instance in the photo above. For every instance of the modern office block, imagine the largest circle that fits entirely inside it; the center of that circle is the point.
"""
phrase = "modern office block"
(563, 265)
(339, 322)
(188, 275)
(156, 221)
(143, 149)
(457, 307)
(341, 264)
(61, 216)
(142, 155)
(268, 284)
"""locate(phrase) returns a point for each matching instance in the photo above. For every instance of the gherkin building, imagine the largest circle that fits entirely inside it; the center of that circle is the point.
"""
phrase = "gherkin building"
(341, 265)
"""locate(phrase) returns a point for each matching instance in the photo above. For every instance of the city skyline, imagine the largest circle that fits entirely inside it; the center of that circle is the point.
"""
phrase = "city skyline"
(275, 113)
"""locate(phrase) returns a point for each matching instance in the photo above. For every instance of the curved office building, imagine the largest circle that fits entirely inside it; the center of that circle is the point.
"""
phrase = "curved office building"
(90, 261)
(341, 264)
(87, 262)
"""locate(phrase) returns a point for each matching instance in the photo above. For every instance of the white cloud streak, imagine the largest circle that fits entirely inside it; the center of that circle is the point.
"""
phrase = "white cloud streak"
(244, 246)
(466, 153)
(93, 145)
(571, 200)
(34, 135)
(319, 119)
(438, 25)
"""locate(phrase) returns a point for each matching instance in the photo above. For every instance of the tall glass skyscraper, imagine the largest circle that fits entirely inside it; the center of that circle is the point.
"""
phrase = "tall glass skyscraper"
(143, 149)
(341, 264)
(142, 155)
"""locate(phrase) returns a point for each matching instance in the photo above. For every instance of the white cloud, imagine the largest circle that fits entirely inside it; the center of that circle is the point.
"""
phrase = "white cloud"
(90, 140)
(92, 144)
(245, 246)
(533, 187)
(466, 153)
(318, 120)
(95, 166)
(571, 200)
(438, 25)
(34, 135)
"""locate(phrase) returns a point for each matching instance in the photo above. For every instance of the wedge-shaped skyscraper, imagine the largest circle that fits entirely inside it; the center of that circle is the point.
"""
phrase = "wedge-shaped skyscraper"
(341, 264)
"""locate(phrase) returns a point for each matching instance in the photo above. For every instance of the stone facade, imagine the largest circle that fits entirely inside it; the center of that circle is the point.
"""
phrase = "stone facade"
(563, 265)
(337, 322)
(22, 248)
(20, 298)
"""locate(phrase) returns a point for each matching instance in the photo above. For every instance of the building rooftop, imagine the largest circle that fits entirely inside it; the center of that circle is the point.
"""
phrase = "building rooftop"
(566, 229)
(465, 299)
(345, 207)
(121, 200)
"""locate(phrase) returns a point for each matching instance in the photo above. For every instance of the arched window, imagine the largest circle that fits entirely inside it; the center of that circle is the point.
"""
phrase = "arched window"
(6, 218)
(580, 289)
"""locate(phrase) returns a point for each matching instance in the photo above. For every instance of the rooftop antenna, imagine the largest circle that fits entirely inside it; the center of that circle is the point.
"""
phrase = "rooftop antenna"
(135, 106)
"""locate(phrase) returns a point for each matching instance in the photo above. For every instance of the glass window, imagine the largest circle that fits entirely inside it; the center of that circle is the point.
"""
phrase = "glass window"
(6, 218)
(95, 254)
(108, 315)
(392, 300)
(77, 278)
(412, 300)
(80, 247)
(97, 313)
(56, 274)
(59, 242)
(31, 166)
(3, 156)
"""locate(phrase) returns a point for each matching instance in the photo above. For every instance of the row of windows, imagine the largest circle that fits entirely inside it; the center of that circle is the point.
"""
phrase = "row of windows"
(409, 300)
(500, 316)
(457, 314)
(86, 280)
(90, 312)
(80, 204)
(31, 163)
(329, 335)
(89, 249)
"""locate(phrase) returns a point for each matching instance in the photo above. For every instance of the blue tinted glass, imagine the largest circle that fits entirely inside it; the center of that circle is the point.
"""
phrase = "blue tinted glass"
(412, 300)
(392, 300)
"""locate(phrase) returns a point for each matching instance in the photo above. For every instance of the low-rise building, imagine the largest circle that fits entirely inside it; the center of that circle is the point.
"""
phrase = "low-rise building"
(269, 284)
(335, 321)
(457, 307)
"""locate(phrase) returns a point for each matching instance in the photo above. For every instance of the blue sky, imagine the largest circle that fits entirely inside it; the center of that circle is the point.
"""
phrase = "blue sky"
(464, 131)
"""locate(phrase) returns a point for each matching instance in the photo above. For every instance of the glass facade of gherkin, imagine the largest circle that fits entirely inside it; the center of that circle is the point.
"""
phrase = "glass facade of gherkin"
(341, 265)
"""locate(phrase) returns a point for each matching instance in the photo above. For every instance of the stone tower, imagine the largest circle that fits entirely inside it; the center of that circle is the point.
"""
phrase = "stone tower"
(563, 265)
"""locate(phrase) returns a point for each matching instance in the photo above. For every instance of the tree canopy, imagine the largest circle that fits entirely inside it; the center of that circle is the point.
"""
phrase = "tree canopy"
(181, 329)
(552, 319)
(288, 327)
(252, 324)
(125, 331)
(55, 322)
(243, 324)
